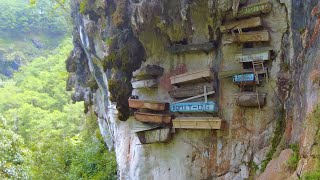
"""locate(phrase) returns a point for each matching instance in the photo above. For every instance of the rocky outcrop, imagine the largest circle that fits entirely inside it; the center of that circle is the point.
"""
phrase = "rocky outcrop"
(114, 38)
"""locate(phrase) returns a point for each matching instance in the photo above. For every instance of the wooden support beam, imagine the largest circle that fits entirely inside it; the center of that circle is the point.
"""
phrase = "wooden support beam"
(196, 76)
(145, 83)
(250, 99)
(190, 91)
(253, 54)
(242, 24)
(152, 118)
(251, 10)
(197, 123)
(194, 107)
(256, 36)
(152, 105)
(180, 48)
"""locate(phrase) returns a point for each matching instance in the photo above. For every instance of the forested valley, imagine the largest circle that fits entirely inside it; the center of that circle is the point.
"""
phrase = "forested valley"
(43, 134)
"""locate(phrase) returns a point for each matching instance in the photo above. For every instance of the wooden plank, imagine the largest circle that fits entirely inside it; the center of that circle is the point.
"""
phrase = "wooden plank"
(256, 36)
(190, 91)
(249, 99)
(194, 107)
(196, 76)
(152, 105)
(253, 56)
(148, 72)
(230, 73)
(195, 97)
(180, 48)
(242, 24)
(145, 83)
(154, 136)
(152, 118)
(251, 10)
(197, 122)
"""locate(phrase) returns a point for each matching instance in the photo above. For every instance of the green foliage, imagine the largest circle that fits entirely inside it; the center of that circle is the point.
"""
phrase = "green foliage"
(38, 108)
(294, 159)
(313, 175)
(83, 6)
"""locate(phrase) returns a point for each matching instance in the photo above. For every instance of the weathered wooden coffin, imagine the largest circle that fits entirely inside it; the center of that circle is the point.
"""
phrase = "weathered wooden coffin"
(190, 91)
(155, 136)
(145, 83)
(140, 104)
(244, 79)
(197, 122)
(251, 10)
(194, 107)
(152, 118)
(179, 48)
(249, 99)
(242, 24)
(230, 73)
(256, 36)
(253, 54)
(205, 75)
(148, 72)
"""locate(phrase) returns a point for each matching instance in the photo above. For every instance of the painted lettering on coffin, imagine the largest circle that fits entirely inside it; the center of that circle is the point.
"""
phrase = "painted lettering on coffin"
(193, 107)
(243, 77)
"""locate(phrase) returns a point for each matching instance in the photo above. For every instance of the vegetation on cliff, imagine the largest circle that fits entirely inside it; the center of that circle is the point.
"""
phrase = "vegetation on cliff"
(45, 135)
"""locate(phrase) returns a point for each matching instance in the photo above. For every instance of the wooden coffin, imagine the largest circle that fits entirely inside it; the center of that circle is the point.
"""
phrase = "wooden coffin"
(253, 54)
(249, 99)
(251, 10)
(244, 79)
(230, 73)
(154, 136)
(194, 107)
(205, 75)
(256, 36)
(140, 104)
(152, 118)
(179, 48)
(190, 91)
(242, 24)
(197, 123)
(148, 72)
(145, 83)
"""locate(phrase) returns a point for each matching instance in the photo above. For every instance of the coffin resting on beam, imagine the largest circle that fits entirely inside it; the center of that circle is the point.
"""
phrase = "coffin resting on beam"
(204, 75)
(148, 72)
(180, 48)
(194, 107)
(242, 24)
(152, 105)
(190, 91)
(154, 136)
(152, 118)
(253, 54)
(254, 36)
(250, 99)
(251, 10)
(197, 123)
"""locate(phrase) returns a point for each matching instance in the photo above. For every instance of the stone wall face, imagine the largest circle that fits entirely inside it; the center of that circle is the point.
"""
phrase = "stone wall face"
(153, 26)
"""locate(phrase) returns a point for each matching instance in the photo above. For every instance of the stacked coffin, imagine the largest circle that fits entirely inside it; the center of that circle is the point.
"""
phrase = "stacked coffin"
(248, 29)
(146, 77)
(190, 87)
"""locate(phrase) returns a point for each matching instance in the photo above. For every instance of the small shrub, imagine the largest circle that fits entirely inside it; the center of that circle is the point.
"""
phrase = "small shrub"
(313, 175)
(292, 163)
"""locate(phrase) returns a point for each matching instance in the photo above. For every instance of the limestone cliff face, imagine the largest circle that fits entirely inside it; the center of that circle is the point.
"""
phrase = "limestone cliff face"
(113, 38)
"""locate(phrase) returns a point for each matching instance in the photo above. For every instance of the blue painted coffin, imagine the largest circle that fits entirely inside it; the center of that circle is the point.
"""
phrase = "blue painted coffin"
(243, 78)
(192, 107)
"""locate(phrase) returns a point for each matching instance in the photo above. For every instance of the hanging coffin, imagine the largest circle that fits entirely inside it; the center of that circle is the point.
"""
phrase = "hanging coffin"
(253, 54)
(145, 84)
(244, 79)
(252, 10)
(179, 48)
(194, 107)
(190, 91)
(204, 75)
(154, 136)
(197, 123)
(251, 99)
(242, 24)
(152, 118)
(140, 104)
(256, 36)
(148, 72)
